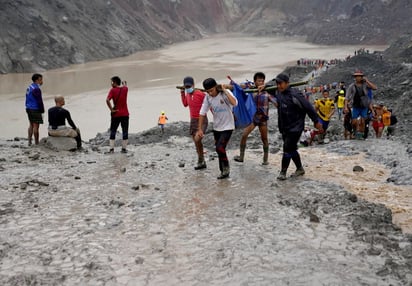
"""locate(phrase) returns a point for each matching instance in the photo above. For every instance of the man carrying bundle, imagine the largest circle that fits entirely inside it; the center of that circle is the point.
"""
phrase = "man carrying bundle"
(260, 118)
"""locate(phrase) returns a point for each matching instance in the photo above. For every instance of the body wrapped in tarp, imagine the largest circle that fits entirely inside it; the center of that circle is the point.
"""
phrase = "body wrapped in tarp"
(245, 109)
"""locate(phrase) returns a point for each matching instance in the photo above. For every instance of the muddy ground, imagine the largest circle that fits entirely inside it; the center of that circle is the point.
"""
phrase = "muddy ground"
(148, 218)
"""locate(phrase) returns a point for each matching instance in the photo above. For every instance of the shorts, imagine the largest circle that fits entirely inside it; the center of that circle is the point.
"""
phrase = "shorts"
(377, 125)
(194, 124)
(260, 119)
(359, 111)
(35, 116)
(325, 124)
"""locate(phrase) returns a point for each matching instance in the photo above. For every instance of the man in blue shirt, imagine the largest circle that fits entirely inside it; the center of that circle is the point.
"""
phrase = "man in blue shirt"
(34, 107)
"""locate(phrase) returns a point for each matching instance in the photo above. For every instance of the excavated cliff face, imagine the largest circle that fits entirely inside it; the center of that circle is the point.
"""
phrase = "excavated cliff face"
(38, 35)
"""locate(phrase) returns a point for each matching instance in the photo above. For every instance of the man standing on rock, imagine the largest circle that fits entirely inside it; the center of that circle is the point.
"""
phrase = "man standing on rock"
(194, 98)
(292, 110)
(221, 102)
(57, 122)
(119, 112)
(34, 107)
(357, 98)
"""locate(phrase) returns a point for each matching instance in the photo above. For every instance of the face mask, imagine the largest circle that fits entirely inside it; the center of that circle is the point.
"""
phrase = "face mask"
(189, 90)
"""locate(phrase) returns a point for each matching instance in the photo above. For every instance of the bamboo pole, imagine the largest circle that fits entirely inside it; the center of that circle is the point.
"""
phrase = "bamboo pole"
(274, 87)
(248, 90)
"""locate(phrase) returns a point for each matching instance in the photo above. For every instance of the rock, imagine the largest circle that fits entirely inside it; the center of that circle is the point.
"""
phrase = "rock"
(139, 260)
(353, 198)
(60, 143)
(313, 218)
(35, 156)
(358, 169)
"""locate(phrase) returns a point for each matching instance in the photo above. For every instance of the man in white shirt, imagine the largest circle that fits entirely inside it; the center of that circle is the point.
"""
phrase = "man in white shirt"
(221, 102)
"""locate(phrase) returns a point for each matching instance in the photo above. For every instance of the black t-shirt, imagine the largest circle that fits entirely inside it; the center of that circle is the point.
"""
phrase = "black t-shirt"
(357, 97)
(58, 116)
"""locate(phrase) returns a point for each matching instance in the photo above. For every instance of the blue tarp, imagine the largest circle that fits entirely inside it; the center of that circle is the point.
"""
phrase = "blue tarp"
(245, 109)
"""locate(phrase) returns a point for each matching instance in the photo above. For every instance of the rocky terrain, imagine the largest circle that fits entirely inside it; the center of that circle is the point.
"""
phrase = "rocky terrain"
(148, 218)
(41, 35)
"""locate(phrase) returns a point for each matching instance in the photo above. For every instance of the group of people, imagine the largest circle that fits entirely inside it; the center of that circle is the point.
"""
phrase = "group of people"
(57, 115)
(355, 105)
(219, 99)
(292, 106)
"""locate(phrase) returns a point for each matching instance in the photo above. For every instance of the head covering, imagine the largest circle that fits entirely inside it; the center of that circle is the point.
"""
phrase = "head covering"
(188, 81)
(358, 72)
(209, 83)
(163, 112)
(341, 91)
(282, 78)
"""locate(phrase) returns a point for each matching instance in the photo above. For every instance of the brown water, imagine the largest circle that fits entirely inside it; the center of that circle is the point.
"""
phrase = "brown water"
(152, 77)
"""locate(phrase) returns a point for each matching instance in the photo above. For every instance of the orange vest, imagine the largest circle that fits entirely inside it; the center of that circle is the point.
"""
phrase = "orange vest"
(162, 119)
(386, 118)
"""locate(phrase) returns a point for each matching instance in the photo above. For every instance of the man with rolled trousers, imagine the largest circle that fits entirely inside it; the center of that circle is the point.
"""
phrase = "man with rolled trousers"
(57, 122)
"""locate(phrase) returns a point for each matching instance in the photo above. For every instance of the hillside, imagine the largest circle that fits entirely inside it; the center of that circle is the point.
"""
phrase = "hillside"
(40, 35)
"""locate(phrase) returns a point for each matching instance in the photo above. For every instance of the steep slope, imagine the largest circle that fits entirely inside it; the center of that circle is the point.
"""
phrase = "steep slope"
(38, 35)
(48, 34)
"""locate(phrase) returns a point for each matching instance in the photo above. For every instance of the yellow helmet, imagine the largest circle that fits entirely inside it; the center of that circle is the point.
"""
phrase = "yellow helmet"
(341, 91)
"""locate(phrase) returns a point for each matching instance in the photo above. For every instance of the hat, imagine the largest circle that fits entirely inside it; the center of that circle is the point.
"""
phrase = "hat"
(163, 112)
(188, 81)
(282, 78)
(209, 83)
(358, 72)
(341, 91)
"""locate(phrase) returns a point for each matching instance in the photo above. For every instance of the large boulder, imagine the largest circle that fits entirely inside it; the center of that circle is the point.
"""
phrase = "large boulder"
(59, 143)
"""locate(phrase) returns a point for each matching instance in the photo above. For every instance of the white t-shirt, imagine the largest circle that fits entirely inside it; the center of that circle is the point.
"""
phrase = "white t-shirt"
(221, 109)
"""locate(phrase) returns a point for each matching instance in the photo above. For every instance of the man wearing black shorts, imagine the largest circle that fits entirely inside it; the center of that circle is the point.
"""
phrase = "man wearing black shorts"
(34, 107)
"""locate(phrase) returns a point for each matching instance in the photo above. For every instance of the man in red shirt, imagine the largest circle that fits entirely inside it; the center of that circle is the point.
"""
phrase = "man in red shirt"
(119, 111)
(194, 98)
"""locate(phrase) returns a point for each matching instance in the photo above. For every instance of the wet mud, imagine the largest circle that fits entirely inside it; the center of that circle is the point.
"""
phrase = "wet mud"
(148, 218)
